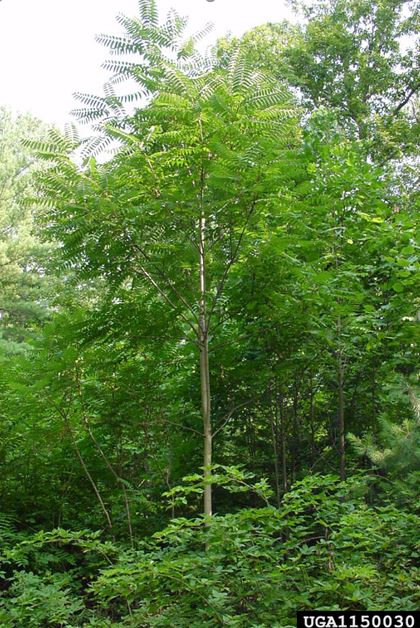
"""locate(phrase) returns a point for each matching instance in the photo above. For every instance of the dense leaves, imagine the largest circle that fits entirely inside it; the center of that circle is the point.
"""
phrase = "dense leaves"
(324, 548)
(240, 272)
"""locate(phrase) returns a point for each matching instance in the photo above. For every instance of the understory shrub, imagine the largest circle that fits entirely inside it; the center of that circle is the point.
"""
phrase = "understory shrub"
(325, 548)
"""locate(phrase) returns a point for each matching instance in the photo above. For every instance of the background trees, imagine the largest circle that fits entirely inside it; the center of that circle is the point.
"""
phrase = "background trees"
(24, 289)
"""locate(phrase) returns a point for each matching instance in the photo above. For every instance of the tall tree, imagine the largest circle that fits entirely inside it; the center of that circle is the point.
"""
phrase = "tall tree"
(24, 288)
(360, 57)
(175, 208)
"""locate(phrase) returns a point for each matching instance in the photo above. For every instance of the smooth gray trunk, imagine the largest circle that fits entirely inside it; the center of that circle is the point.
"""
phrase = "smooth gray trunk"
(205, 374)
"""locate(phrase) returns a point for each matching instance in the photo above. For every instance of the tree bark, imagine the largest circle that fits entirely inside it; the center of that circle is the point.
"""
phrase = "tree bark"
(312, 423)
(207, 429)
(205, 374)
(296, 431)
(274, 436)
(341, 425)
(283, 446)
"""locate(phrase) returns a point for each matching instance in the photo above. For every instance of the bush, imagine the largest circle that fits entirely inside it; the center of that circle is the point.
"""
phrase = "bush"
(326, 548)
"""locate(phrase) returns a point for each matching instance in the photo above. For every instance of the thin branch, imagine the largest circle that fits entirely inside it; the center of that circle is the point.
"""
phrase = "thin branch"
(233, 259)
(96, 490)
(185, 232)
(119, 480)
(405, 100)
(166, 279)
(163, 294)
(83, 464)
(184, 427)
(229, 414)
(226, 343)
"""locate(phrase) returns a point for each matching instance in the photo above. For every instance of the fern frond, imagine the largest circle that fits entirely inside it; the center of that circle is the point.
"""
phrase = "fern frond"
(133, 97)
(117, 79)
(59, 140)
(148, 12)
(57, 146)
(173, 100)
(232, 66)
(120, 67)
(277, 113)
(47, 150)
(120, 44)
(203, 32)
(177, 80)
(210, 86)
(71, 134)
(7, 522)
(122, 135)
(265, 98)
(241, 74)
(86, 116)
(186, 50)
(195, 65)
(112, 100)
(95, 145)
(91, 100)
(136, 31)
(174, 27)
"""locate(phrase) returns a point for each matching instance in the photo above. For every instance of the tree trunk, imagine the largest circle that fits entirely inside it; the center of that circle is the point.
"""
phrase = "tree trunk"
(206, 414)
(341, 438)
(283, 449)
(274, 436)
(296, 431)
(312, 423)
(205, 374)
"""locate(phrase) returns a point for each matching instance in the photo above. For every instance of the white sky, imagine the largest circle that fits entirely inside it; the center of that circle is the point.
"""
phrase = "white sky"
(48, 51)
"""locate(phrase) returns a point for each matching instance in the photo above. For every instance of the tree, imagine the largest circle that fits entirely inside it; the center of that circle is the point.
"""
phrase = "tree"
(266, 48)
(23, 286)
(226, 242)
(174, 209)
(360, 57)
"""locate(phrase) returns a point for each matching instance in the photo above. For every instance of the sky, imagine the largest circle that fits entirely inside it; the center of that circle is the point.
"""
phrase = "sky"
(48, 50)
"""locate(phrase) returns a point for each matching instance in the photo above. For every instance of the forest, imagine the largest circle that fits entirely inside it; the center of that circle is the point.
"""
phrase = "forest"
(209, 323)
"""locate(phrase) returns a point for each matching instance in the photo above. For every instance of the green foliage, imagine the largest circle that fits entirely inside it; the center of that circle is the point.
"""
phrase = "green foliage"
(25, 292)
(324, 548)
(267, 563)
(39, 601)
(358, 58)
(233, 479)
(45, 576)
(302, 223)
(355, 57)
(396, 448)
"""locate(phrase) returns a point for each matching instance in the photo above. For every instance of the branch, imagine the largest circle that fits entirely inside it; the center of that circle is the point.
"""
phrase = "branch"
(165, 278)
(117, 477)
(183, 427)
(163, 294)
(232, 260)
(82, 462)
(226, 343)
(228, 416)
(405, 101)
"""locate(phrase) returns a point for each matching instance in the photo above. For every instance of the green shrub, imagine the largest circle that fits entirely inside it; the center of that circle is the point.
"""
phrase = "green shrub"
(325, 548)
